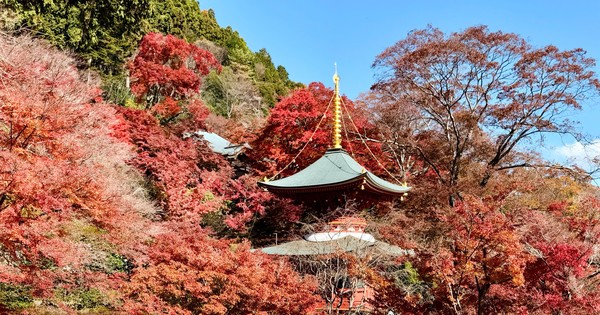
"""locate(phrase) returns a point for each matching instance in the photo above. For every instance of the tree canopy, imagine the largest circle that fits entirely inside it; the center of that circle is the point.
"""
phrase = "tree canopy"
(125, 208)
(485, 93)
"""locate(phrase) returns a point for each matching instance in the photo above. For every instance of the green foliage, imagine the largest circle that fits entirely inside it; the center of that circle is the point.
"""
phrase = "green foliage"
(216, 222)
(208, 196)
(118, 263)
(102, 32)
(239, 55)
(272, 82)
(408, 275)
(233, 95)
(15, 297)
(270, 74)
(115, 89)
(268, 92)
(47, 263)
(105, 33)
(181, 18)
(214, 93)
(83, 231)
(9, 18)
(89, 299)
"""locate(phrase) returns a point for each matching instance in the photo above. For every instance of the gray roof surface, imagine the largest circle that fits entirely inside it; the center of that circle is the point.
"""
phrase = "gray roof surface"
(345, 244)
(219, 144)
(335, 167)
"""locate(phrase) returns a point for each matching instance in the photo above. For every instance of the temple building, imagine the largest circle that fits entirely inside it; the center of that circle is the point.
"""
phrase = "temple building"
(235, 154)
(345, 235)
(221, 145)
(325, 254)
(335, 173)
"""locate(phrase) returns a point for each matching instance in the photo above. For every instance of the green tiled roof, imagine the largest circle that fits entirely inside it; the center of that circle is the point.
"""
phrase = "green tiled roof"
(336, 170)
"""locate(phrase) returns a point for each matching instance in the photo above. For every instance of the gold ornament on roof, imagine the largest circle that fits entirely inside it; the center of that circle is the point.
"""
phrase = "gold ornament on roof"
(337, 126)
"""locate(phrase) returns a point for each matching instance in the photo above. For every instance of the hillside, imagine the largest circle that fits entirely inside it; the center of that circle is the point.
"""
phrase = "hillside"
(111, 204)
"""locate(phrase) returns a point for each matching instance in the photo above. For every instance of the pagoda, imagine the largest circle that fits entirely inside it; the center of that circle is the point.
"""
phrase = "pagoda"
(335, 173)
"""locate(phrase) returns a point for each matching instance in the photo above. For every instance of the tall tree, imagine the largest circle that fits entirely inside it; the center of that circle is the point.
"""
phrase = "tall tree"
(167, 73)
(300, 124)
(483, 93)
(233, 96)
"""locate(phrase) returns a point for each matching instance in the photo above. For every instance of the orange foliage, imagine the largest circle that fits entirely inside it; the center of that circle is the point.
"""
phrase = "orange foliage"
(190, 273)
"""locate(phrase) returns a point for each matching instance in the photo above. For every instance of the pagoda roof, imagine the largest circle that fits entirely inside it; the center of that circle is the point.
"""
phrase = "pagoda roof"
(221, 145)
(340, 245)
(334, 171)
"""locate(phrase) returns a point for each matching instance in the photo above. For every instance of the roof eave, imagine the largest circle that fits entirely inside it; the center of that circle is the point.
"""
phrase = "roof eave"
(314, 188)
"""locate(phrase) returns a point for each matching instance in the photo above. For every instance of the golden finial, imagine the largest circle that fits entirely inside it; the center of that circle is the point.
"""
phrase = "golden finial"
(337, 127)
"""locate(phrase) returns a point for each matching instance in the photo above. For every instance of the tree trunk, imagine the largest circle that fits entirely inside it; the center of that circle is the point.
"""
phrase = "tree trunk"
(486, 178)
(481, 293)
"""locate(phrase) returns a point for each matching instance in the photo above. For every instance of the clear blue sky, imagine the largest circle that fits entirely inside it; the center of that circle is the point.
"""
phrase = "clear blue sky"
(307, 37)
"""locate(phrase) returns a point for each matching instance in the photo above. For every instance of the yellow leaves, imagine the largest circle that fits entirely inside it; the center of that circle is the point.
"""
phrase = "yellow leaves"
(30, 212)
(131, 103)
(208, 196)
(518, 278)
(6, 199)
(469, 267)
(233, 247)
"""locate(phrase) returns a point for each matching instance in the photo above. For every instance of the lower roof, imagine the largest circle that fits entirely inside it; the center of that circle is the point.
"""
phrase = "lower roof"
(341, 245)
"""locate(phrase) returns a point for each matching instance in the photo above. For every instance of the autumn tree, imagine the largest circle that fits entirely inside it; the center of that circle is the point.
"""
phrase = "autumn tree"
(480, 266)
(529, 247)
(191, 273)
(166, 74)
(400, 126)
(185, 176)
(486, 251)
(180, 172)
(233, 96)
(561, 233)
(300, 124)
(483, 94)
(70, 207)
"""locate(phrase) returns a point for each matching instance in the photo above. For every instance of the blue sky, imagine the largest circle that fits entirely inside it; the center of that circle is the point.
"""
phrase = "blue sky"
(307, 37)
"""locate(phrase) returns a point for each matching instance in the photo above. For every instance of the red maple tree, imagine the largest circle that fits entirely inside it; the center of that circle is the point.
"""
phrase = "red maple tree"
(191, 273)
(64, 184)
(167, 74)
(299, 131)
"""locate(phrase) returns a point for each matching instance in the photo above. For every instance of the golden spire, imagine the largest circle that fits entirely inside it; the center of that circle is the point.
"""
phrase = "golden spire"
(337, 127)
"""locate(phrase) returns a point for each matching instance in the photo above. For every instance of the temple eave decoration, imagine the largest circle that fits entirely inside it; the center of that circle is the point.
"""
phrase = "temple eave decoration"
(345, 234)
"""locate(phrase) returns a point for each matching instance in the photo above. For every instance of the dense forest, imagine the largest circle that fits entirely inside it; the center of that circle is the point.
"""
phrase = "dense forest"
(110, 202)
